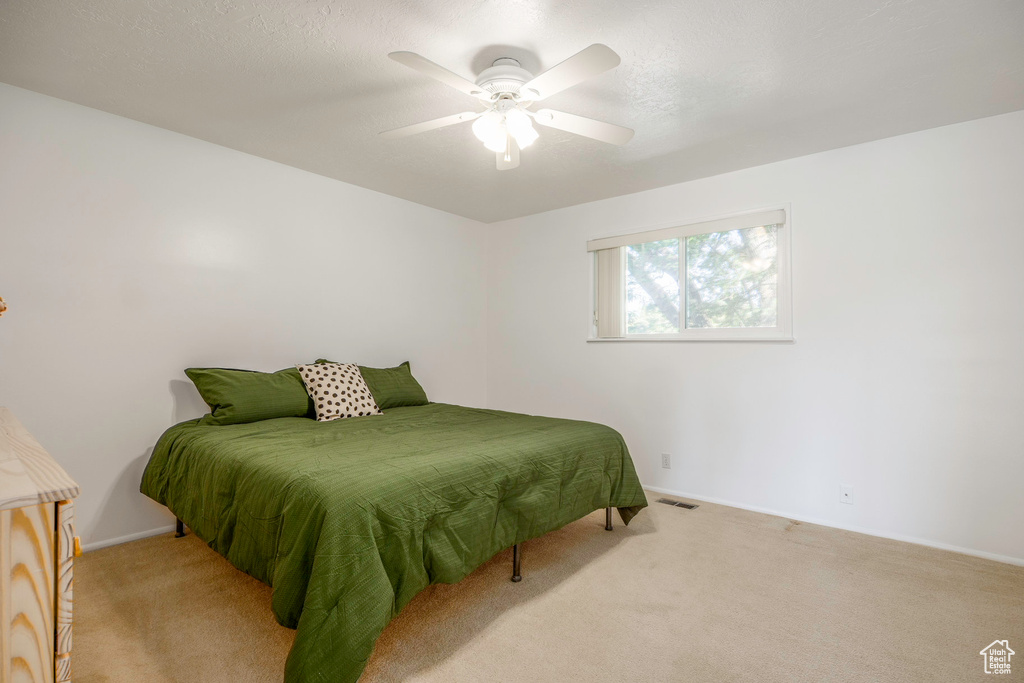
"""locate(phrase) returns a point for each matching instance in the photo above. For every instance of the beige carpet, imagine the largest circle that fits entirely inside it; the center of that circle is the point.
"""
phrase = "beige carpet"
(712, 594)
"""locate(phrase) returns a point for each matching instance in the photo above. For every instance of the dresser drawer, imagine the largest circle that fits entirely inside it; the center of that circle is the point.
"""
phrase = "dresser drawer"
(27, 593)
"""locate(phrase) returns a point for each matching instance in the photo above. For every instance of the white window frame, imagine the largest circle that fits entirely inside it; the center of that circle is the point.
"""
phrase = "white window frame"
(783, 331)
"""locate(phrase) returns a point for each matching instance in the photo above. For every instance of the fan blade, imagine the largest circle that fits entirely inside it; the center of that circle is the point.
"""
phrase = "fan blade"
(585, 64)
(429, 125)
(581, 125)
(513, 156)
(438, 72)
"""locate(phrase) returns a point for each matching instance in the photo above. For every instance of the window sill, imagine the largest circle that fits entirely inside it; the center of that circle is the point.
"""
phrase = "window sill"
(702, 338)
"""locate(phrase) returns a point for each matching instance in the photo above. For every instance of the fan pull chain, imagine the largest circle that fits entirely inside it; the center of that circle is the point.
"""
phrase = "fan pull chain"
(508, 148)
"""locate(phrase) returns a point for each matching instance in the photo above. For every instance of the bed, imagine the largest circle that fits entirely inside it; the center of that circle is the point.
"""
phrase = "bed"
(348, 520)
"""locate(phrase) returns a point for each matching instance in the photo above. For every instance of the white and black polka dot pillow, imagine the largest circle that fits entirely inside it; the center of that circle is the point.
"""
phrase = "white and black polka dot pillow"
(338, 390)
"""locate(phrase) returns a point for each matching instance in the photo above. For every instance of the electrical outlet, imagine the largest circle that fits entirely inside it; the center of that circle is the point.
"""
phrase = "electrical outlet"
(666, 461)
(846, 494)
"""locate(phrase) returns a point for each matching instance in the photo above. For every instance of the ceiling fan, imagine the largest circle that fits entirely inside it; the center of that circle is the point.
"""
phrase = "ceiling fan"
(507, 91)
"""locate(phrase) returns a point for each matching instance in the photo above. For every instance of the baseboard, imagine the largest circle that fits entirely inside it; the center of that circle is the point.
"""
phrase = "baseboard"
(96, 545)
(1018, 561)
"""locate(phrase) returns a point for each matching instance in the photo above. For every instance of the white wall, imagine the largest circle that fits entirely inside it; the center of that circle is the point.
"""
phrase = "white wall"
(128, 253)
(907, 376)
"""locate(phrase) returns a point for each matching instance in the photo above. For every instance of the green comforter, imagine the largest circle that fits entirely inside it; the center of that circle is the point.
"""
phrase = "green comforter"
(348, 520)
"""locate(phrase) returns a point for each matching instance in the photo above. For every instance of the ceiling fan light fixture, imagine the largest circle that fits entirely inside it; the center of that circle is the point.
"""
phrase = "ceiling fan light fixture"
(493, 129)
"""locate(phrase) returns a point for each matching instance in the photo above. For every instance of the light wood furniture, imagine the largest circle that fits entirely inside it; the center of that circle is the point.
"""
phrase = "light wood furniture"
(37, 550)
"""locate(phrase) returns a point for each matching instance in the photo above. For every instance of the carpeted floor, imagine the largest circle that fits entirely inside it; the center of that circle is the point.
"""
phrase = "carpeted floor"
(712, 594)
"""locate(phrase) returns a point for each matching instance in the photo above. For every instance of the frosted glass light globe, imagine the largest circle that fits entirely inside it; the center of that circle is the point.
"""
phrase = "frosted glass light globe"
(499, 142)
(526, 137)
(488, 126)
(520, 127)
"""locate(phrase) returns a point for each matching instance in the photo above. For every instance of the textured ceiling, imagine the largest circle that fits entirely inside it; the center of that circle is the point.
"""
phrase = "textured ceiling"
(709, 85)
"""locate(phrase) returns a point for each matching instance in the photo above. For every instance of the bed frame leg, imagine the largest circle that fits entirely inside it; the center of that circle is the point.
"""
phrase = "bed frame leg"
(179, 528)
(608, 519)
(516, 559)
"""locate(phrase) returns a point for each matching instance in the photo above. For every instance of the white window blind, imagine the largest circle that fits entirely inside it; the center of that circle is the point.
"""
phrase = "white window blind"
(608, 313)
(725, 279)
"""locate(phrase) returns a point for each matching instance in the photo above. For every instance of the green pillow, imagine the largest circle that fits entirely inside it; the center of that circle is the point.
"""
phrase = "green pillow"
(237, 396)
(392, 387)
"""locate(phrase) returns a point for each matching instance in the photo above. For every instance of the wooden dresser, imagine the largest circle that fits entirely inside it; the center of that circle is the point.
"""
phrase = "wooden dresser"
(37, 550)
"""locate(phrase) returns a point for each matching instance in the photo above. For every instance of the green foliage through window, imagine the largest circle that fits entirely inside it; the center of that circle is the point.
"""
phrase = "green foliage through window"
(652, 287)
(731, 280)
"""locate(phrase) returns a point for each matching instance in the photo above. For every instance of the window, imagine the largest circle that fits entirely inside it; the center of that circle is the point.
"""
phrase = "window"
(718, 280)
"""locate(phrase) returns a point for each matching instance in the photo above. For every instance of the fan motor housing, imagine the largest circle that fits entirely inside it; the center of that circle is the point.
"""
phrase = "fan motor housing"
(504, 76)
